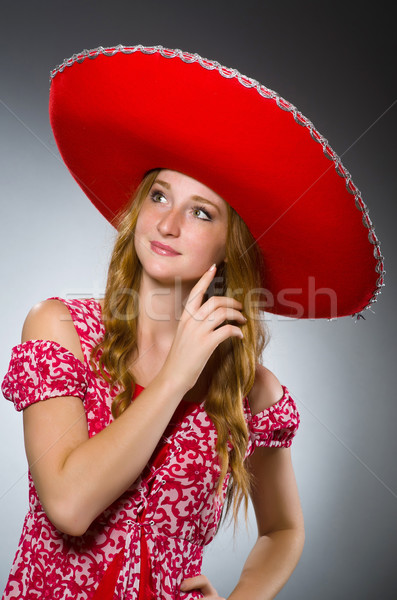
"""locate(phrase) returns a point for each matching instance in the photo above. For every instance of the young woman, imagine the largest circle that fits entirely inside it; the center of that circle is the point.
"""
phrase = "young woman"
(145, 411)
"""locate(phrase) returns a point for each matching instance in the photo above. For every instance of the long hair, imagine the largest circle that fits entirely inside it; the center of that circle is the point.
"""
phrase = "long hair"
(234, 360)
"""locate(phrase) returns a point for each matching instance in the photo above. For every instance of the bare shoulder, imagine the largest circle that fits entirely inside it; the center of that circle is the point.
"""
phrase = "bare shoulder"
(267, 390)
(51, 320)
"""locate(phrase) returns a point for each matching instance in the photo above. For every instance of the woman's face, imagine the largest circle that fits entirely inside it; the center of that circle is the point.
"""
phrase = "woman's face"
(190, 219)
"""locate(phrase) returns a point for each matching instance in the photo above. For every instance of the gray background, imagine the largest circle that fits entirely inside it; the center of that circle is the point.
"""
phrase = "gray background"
(336, 63)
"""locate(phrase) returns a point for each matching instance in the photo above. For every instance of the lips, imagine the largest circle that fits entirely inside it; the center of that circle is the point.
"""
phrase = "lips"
(163, 249)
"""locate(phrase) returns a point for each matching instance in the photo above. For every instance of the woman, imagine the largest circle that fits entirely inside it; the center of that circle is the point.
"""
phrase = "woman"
(124, 494)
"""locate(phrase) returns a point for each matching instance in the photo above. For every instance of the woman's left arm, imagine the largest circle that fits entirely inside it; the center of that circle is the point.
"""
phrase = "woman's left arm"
(280, 526)
(280, 530)
(277, 508)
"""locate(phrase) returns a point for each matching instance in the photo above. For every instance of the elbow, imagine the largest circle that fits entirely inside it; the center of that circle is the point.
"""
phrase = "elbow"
(300, 538)
(67, 517)
(293, 538)
(297, 536)
(301, 533)
(297, 541)
(296, 528)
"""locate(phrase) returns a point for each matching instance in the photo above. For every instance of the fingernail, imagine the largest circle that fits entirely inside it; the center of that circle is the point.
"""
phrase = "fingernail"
(213, 267)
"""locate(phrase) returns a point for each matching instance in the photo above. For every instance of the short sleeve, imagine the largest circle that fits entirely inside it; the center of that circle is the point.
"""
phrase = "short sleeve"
(42, 369)
(275, 426)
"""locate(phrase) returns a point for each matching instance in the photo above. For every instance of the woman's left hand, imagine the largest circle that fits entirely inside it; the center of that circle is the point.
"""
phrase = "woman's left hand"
(201, 582)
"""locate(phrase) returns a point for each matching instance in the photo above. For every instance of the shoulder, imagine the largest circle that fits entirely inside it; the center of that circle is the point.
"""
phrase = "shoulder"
(266, 391)
(51, 320)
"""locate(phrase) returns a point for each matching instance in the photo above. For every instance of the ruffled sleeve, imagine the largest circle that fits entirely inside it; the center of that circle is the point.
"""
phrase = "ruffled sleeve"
(42, 369)
(275, 426)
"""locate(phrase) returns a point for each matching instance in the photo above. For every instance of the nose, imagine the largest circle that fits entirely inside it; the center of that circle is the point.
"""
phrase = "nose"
(169, 224)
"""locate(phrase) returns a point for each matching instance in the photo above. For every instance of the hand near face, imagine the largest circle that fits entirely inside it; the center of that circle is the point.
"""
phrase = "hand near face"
(199, 332)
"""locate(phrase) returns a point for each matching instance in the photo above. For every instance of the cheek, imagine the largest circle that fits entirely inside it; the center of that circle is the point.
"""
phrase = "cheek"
(207, 249)
(141, 232)
(144, 223)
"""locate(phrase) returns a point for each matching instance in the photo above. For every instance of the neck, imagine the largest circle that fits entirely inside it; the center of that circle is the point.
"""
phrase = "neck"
(161, 307)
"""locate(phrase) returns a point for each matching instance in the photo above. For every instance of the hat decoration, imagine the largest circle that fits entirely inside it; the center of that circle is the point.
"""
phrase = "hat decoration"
(119, 112)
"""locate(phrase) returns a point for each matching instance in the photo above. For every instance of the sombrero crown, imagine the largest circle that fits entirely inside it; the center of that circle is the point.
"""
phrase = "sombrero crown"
(119, 112)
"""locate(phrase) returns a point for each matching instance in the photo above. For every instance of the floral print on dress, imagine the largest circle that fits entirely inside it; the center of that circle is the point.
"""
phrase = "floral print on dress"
(168, 514)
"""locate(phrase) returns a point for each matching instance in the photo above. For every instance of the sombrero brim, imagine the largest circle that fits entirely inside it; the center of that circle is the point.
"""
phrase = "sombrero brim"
(119, 112)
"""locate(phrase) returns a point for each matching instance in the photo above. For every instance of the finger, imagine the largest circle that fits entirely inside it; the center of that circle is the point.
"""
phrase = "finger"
(223, 315)
(200, 582)
(219, 319)
(223, 333)
(215, 303)
(197, 292)
(214, 319)
(193, 583)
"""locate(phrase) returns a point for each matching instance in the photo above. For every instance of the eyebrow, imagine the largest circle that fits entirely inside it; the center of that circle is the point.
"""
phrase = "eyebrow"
(196, 198)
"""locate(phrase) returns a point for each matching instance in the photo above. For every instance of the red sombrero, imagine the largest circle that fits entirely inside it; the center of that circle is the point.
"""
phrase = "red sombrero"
(119, 112)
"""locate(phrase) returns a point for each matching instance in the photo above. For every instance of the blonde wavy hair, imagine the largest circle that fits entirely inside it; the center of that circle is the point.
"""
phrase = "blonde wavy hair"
(234, 359)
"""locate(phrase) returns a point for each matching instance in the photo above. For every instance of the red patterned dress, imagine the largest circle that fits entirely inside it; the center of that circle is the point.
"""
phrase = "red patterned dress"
(153, 536)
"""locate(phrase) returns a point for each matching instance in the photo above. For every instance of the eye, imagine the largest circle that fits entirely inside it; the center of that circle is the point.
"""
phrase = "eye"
(155, 195)
(203, 210)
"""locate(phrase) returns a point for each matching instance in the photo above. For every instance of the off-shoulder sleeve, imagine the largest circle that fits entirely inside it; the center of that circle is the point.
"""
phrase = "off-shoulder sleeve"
(42, 369)
(275, 426)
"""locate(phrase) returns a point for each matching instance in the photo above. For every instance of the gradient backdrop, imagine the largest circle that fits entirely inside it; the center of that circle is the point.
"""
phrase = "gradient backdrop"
(337, 63)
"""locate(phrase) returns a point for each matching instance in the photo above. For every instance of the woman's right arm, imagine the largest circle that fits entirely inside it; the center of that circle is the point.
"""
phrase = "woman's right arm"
(78, 477)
